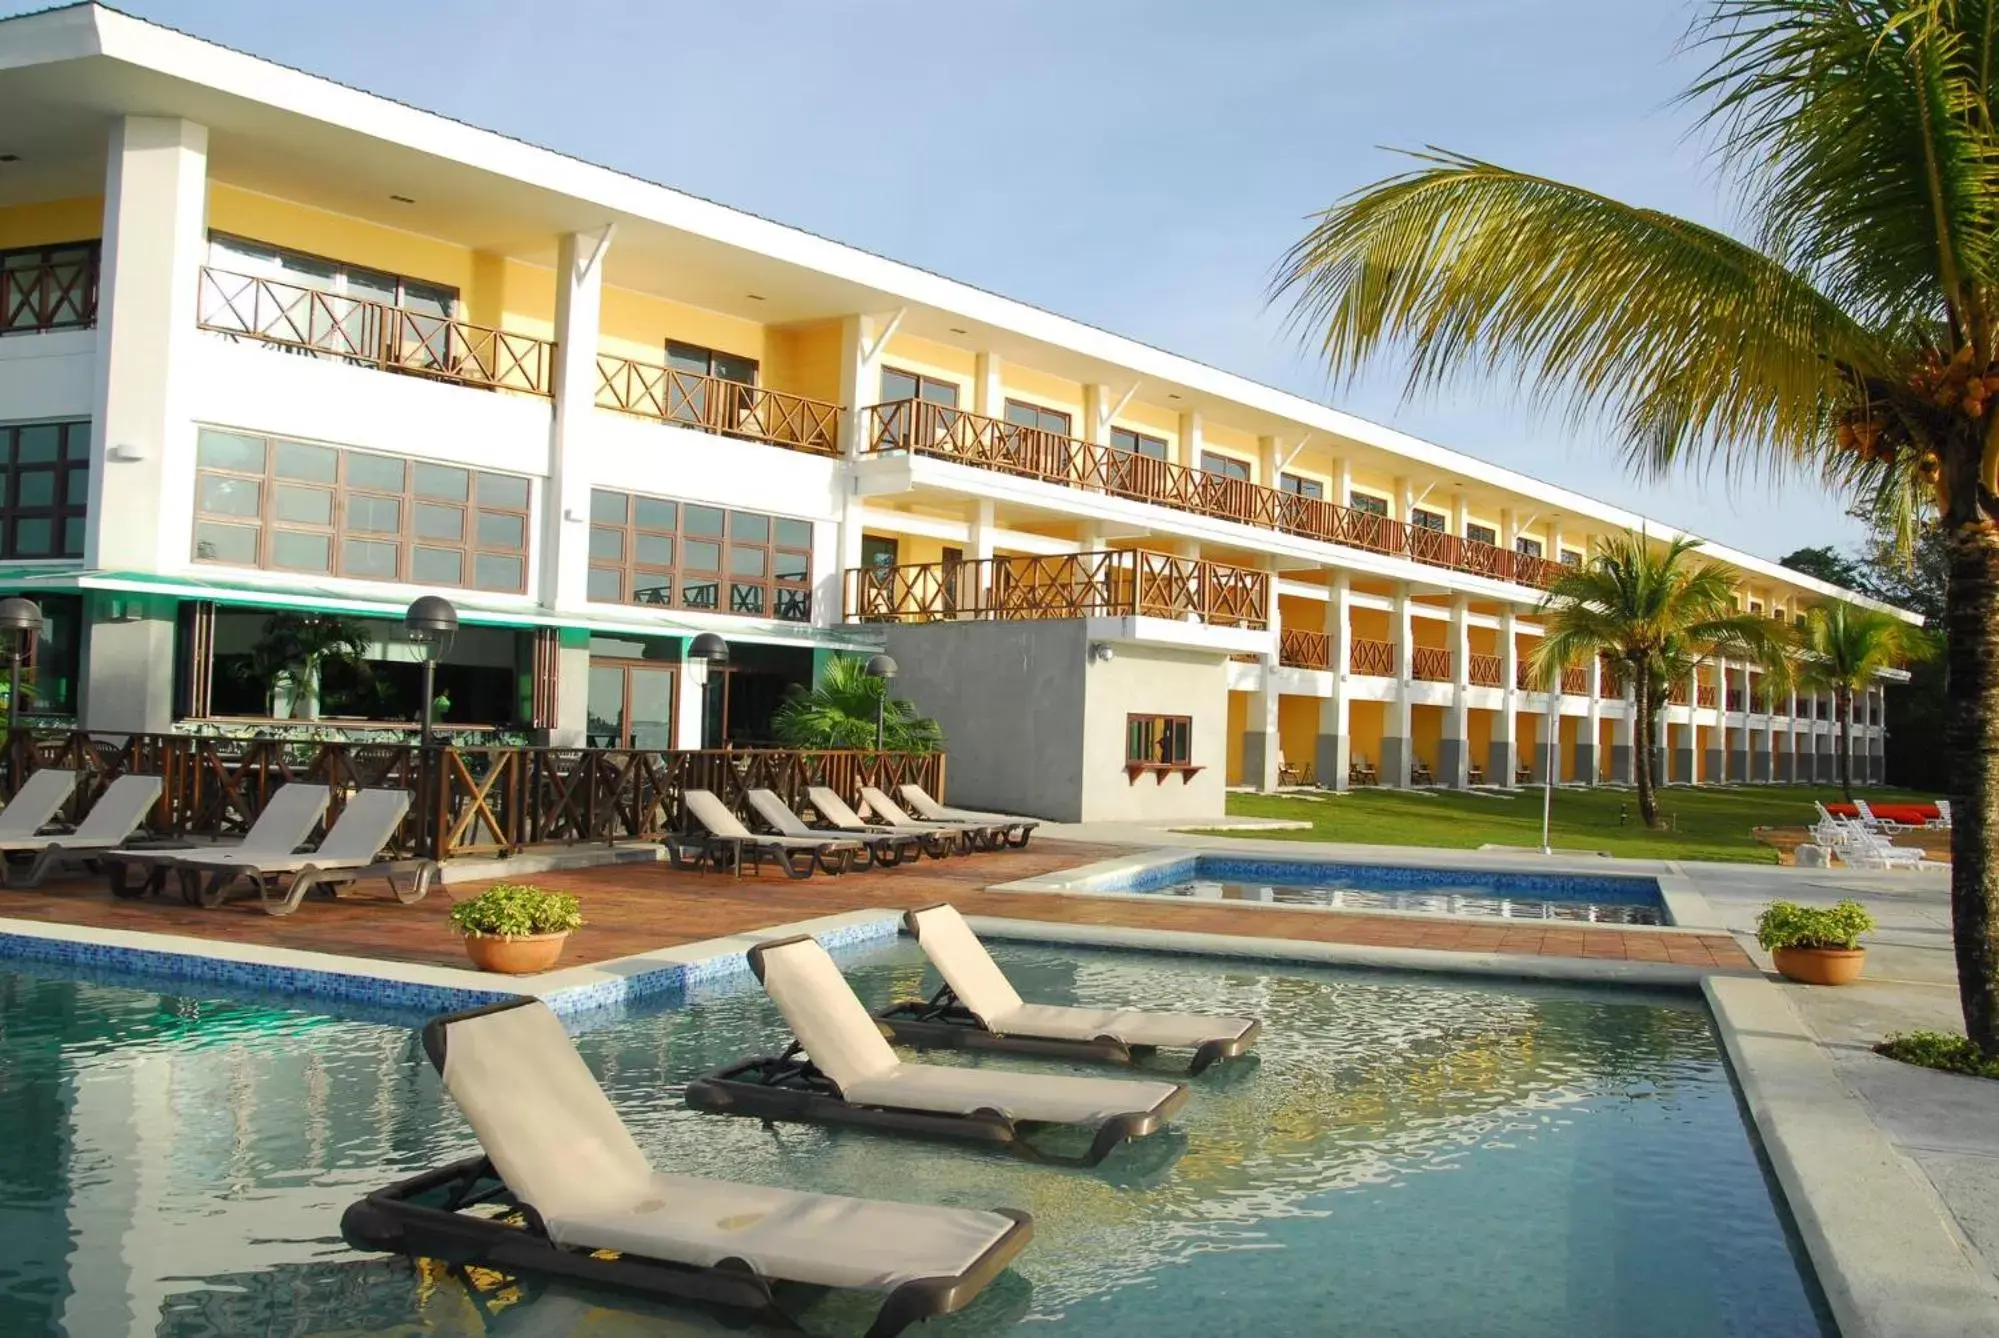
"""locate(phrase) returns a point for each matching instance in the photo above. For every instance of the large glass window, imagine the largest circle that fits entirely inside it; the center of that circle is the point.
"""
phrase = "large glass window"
(900, 385)
(260, 260)
(44, 489)
(710, 362)
(1527, 547)
(295, 506)
(1302, 487)
(1214, 462)
(1426, 520)
(1022, 414)
(1137, 443)
(1158, 740)
(653, 550)
(1482, 534)
(1368, 502)
(48, 287)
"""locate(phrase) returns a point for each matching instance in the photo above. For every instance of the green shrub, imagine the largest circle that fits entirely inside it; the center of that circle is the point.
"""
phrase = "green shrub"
(510, 910)
(1940, 1050)
(1786, 924)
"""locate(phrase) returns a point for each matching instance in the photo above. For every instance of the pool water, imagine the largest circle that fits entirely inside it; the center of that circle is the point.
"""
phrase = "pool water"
(1403, 1156)
(1469, 898)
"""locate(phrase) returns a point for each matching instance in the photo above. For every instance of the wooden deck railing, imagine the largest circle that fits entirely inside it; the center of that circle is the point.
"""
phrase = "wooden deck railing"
(472, 801)
(1431, 664)
(57, 295)
(1375, 659)
(924, 428)
(1486, 671)
(1575, 680)
(712, 404)
(1677, 694)
(373, 333)
(1303, 649)
(1705, 696)
(1124, 582)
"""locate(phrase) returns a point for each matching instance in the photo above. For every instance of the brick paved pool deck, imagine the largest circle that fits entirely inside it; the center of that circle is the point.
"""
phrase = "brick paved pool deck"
(636, 907)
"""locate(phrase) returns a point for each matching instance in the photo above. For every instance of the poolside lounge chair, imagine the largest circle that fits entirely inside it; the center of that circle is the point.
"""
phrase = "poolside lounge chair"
(352, 850)
(284, 825)
(983, 835)
(1016, 832)
(725, 836)
(1872, 822)
(979, 1009)
(847, 1074)
(833, 811)
(26, 860)
(1941, 822)
(884, 849)
(34, 805)
(563, 1190)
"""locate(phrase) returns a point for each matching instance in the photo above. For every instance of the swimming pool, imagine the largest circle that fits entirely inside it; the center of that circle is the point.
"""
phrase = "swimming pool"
(1406, 889)
(1405, 1156)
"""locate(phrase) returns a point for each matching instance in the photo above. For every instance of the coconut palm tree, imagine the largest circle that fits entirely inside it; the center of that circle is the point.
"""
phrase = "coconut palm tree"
(1658, 613)
(1840, 649)
(839, 710)
(1855, 333)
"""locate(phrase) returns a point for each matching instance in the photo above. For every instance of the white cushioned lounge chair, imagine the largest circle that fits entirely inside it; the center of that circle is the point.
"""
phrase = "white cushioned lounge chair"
(725, 835)
(284, 825)
(352, 850)
(109, 824)
(576, 1186)
(982, 835)
(842, 1071)
(978, 1008)
(34, 805)
(835, 813)
(884, 849)
(926, 809)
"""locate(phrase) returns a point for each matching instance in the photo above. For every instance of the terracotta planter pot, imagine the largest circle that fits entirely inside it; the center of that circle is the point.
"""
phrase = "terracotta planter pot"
(522, 956)
(1821, 966)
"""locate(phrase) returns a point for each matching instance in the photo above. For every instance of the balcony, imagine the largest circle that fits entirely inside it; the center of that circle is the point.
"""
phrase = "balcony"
(373, 334)
(711, 404)
(1705, 696)
(58, 292)
(1122, 583)
(1430, 664)
(1301, 649)
(1371, 659)
(921, 428)
(1486, 671)
(1736, 699)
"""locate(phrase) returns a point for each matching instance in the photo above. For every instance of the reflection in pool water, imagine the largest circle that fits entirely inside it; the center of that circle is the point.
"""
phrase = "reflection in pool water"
(1403, 1156)
(1468, 899)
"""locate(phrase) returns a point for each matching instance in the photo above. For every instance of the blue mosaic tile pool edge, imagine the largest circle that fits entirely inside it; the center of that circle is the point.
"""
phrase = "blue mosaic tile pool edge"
(1237, 868)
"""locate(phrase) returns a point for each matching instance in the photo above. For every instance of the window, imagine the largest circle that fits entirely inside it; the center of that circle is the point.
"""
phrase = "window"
(1368, 502)
(1158, 740)
(1571, 558)
(700, 361)
(44, 489)
(258, 260)
(1527, 547)
(1482, 534)
(1137, 443)
(294, 506)
(1021, 414)
(48, 287)
(655, 551)
(1756, 606)
(1426, 520)
(901, 385)
(1302, 487)
(1227, 466)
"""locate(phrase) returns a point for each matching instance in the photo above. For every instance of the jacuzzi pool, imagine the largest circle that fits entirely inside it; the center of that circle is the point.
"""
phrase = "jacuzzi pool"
(1404, 1156)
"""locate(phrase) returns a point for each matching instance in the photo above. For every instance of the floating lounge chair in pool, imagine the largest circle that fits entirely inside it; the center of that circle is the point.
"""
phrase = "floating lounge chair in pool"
(982, 835)
(884, 849)
(287, 820)
(352, 850)
(34, 806)
(562, 1190)
(847, 1074)
(726, 835)
(978, 1009)
(1016, 830)
(832, 809)
(109, 824)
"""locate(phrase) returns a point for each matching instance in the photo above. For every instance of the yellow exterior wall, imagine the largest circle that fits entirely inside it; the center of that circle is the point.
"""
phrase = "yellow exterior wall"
(1364, 727)
(1370, 624)
(1298, 732)
(76, 220)
(910, 354)
(1478, 742)
(1432, 633)
(1306, 614)
(1238, 725)
(1426, 730)
(1153, 421)
(1572, 727)
(637, 326)
(804, 360)
(265, 218)
(1039, 388)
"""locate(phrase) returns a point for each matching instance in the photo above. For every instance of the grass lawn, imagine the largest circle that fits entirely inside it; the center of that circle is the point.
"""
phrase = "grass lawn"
(1701, 824)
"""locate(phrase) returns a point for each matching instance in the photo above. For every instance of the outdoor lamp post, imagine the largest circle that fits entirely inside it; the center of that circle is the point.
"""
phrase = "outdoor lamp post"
(430, 622)
(882, 667)
(714, 652)
(20, 623)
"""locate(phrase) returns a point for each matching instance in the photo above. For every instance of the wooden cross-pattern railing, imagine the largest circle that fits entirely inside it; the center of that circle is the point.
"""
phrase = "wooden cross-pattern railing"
(1705, 696)
(1485, 671)
(373, 333)
(947, 433)
(468, 801)
(1575, 680)
(711, 404)
(53, 295)
(1430, 664)
(1303, 649)
(1375, 659)
(1122, 582)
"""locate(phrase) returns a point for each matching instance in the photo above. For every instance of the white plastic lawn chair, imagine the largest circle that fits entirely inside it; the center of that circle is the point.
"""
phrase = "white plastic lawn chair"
(26, 861)
(1941, 822)
(1872, 822)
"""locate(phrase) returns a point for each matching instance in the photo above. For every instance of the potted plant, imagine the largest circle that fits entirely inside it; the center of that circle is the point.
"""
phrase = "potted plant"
(516, 928)
(1815, 945)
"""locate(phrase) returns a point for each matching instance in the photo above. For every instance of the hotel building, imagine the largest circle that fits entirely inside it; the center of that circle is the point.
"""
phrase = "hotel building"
(268, 343)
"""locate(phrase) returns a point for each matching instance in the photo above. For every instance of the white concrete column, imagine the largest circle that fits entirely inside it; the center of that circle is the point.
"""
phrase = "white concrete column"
(1396, 753)
(1504, 752)
(1342, 482)
(1260, 737)
(1192, 440)
(1588, 765)
(1269, 450)
(1405, 500)
(1454, 757)
(688, 703)
(981, 527)
(1334, 749)
(1554, 553)
(988, 386)
(1460, 514)
(1509, 528)
(1097, 405)
(860, 386)
(579, 301)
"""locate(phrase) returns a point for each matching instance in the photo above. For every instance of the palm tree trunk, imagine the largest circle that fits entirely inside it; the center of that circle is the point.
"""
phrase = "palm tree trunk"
(1641, 698)
(1971, 747)
(1843, 703)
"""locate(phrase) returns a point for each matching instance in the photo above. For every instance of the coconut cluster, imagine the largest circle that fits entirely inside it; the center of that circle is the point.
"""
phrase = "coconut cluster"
(1944, 386)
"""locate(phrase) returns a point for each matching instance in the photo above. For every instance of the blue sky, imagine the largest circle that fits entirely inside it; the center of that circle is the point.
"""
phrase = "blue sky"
(1137, 164)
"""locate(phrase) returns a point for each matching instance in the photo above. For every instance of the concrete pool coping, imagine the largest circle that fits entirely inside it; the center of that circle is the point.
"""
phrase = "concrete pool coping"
(1686, 909)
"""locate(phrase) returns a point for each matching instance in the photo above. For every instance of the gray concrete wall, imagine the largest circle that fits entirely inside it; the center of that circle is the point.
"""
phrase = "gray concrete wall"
(1009, 696)
(127, 671)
